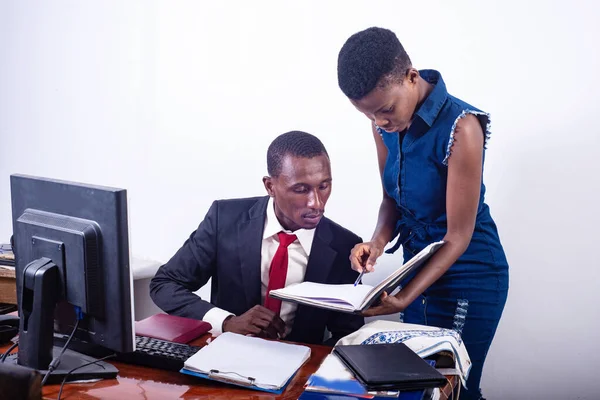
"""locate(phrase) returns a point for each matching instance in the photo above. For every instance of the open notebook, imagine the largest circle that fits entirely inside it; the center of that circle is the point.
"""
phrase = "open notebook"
(350, 298)
(248, 361)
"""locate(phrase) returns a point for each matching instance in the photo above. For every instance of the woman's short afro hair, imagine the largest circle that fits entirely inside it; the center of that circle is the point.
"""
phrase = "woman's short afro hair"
(367, 57)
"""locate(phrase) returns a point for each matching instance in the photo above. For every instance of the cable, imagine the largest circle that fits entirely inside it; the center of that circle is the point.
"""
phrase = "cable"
(11, 348)
(442, 390)
(454, 390)
(56, 361)
(458, 391)
(76, 368)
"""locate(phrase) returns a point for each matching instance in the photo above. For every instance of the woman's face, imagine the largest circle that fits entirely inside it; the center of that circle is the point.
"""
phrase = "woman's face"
(392, 106)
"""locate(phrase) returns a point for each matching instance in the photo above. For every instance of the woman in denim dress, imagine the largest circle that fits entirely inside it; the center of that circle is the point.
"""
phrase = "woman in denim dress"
(430, 148)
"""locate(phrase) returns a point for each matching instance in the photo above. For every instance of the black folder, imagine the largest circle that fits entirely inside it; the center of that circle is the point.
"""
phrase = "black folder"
(391, 366)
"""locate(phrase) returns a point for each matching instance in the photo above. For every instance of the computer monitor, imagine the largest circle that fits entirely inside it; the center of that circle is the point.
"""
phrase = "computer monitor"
(72, 263)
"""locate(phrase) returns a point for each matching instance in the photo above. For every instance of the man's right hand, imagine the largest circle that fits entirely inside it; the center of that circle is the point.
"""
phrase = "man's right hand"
(364, 255)
(258, 321)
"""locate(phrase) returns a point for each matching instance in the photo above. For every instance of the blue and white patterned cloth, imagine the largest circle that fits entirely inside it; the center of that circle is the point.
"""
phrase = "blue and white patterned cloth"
(423, 340)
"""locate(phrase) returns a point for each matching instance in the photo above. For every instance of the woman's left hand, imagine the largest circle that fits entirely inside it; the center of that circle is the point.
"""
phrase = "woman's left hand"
(387, 305)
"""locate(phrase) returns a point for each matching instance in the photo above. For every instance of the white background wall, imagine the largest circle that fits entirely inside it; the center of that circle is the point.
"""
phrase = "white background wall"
(178, 101)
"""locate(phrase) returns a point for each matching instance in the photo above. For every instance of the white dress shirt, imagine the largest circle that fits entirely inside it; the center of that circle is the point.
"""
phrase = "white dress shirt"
(298, 253)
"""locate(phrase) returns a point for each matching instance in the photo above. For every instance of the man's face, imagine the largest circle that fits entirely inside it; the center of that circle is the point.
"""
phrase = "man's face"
(300, 191)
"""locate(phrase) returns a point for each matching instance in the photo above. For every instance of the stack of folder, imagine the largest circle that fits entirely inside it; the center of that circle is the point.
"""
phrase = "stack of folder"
(7, 258)
(379, 371)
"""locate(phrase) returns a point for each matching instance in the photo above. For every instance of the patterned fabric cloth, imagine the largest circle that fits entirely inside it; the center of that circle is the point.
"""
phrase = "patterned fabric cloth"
(423, 340)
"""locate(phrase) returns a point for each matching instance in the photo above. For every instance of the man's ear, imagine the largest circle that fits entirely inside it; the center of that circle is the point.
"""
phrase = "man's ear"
(268, 182)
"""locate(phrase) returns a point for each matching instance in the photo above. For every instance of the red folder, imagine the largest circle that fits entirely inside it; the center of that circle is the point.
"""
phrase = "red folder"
(171, 328)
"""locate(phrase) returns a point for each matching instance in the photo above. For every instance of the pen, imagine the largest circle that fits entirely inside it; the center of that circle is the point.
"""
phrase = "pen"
(359, 276)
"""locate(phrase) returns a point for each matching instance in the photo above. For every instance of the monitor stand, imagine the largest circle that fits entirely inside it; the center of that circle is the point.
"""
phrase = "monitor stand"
(39, 295)
(71, 360)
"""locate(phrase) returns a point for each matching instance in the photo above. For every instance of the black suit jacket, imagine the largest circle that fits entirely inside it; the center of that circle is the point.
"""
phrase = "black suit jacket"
(227, 248)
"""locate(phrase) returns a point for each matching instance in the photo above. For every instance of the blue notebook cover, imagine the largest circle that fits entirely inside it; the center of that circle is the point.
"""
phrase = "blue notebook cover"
(235, 383)
(412, 395)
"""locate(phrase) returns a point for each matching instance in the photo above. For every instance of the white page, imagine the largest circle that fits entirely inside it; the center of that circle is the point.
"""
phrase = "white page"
(423, 254)
(350, 294)
(271, 363)
(335, 305)
(348, 298)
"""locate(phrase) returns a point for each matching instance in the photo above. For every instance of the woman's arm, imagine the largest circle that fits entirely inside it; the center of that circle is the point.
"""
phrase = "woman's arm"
(465, 168)
(364, 255)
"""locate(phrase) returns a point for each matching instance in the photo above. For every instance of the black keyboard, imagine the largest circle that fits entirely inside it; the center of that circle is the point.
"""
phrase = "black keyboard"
(149, 352)
(160, 354)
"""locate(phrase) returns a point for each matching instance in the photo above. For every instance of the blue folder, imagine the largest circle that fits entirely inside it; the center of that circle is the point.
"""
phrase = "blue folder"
(249, 385)
(412, 395)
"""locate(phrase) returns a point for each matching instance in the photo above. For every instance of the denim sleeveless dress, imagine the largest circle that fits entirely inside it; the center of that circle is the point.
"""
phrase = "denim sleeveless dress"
(470, 296)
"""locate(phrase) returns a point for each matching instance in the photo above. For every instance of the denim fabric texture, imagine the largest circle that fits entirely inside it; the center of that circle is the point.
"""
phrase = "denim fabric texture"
(470, 296)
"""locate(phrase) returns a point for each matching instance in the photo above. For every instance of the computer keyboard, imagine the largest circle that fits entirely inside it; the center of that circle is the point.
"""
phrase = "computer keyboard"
(149, 352)
(160, 354)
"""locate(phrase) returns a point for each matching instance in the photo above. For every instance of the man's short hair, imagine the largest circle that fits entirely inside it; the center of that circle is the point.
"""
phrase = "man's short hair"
(366, 58)
(294, 143)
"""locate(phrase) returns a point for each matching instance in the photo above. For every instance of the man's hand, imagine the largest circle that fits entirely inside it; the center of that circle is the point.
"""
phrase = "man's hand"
(258, 321)
(387, 305)
(364, 255)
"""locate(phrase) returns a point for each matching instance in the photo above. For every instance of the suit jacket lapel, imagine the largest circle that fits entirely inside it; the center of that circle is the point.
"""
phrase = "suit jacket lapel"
(250, 232)
(322, 255)
(320, 263)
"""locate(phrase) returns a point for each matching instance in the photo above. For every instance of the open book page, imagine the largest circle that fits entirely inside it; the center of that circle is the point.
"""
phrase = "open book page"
(238, 358)
(393, 279)
(350, 298)
(343, 296)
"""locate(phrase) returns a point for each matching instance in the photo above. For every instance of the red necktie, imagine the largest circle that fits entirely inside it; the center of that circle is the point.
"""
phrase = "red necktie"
(278, 271)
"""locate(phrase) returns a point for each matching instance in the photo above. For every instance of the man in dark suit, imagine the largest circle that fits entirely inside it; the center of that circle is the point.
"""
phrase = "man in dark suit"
(254, 245)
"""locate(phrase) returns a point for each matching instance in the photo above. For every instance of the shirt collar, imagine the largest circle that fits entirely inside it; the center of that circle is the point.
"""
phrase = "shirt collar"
(430, 109)
(272, 227)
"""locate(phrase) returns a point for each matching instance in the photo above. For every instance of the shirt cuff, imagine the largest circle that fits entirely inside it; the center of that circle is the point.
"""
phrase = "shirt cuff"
(215, 317)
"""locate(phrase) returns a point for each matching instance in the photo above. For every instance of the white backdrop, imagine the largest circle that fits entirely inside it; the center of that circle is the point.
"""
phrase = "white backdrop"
(178, 101)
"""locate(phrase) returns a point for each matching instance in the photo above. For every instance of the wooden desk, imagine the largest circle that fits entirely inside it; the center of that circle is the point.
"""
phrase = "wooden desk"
(134, 382)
